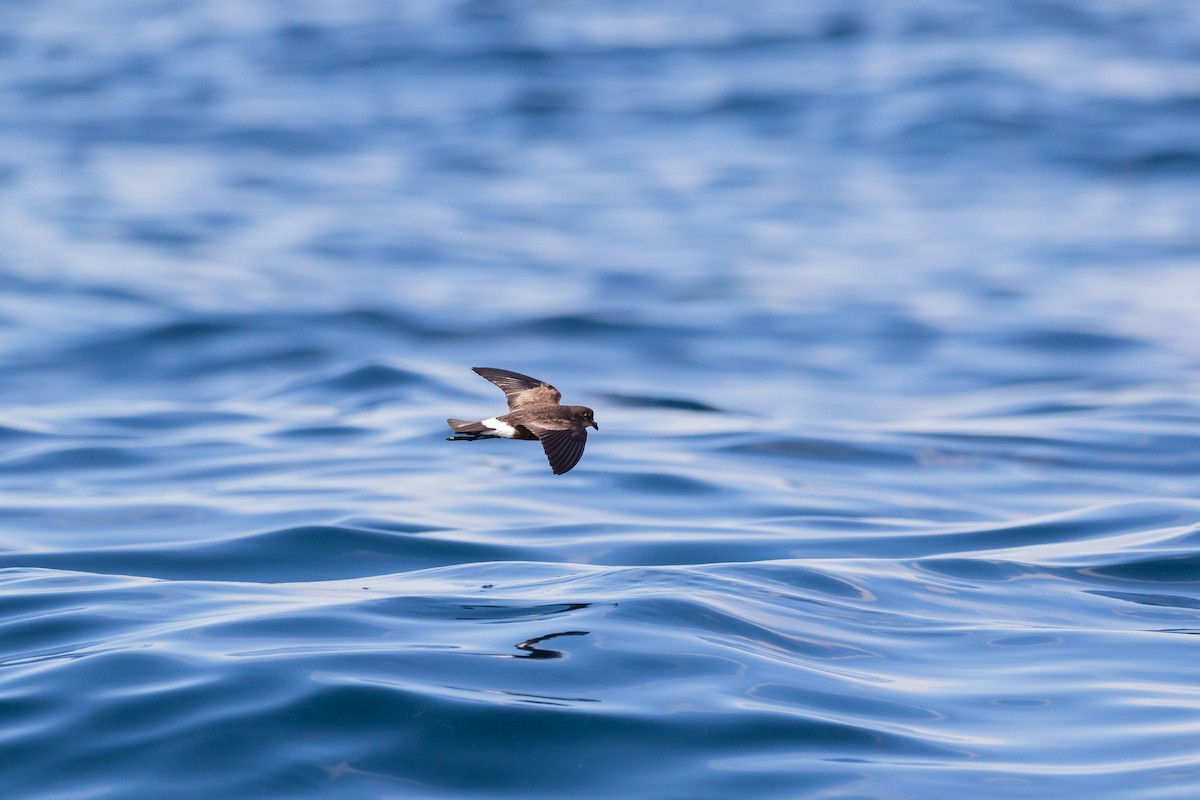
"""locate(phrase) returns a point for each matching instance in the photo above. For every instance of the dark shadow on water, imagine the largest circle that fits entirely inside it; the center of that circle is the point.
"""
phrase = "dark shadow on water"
(530, 646)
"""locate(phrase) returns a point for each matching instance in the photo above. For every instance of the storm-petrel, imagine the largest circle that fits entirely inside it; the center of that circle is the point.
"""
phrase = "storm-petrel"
(533, 413)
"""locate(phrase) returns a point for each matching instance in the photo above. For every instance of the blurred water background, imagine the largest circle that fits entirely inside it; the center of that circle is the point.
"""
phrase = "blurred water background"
(888, 312)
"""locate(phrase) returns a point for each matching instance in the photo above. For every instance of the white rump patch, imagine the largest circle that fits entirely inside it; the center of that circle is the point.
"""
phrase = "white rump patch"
(499, 427)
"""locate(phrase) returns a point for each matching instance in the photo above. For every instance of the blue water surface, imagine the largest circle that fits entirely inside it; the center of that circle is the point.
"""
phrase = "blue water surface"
(888, 312)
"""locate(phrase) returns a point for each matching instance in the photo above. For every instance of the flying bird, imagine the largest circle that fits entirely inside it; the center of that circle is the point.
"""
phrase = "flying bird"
(533, 413)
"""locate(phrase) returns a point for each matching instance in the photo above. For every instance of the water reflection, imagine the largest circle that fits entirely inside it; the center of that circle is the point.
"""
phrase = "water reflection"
(530, 646)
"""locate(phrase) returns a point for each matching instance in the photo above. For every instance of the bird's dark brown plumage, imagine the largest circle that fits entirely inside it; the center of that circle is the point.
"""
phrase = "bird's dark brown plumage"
(534, 413)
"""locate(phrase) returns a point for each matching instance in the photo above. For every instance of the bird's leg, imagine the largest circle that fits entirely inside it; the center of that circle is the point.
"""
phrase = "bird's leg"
(468, 437)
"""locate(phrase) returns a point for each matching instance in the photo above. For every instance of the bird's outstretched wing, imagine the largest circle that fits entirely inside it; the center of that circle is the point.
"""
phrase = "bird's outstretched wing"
(521, 390)
(563, 446)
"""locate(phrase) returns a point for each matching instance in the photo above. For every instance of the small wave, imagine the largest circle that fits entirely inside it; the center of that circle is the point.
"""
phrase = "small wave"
(75, 459)
(366, 380)
(308, 552)
(669, 403)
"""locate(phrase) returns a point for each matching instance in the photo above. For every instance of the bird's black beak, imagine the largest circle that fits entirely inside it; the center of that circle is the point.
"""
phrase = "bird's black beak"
(595, 425)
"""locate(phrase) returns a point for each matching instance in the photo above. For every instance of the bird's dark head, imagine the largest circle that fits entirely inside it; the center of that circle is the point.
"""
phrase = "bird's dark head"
(585, 415)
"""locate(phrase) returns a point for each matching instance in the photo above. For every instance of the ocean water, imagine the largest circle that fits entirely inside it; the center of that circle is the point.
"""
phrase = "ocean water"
(888, 313)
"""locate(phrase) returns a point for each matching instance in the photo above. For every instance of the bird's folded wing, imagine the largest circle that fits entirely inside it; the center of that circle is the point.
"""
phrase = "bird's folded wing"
(520, 390)
(563, 446)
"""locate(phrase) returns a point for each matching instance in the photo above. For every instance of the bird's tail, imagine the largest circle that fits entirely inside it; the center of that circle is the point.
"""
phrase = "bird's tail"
(463, 426)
